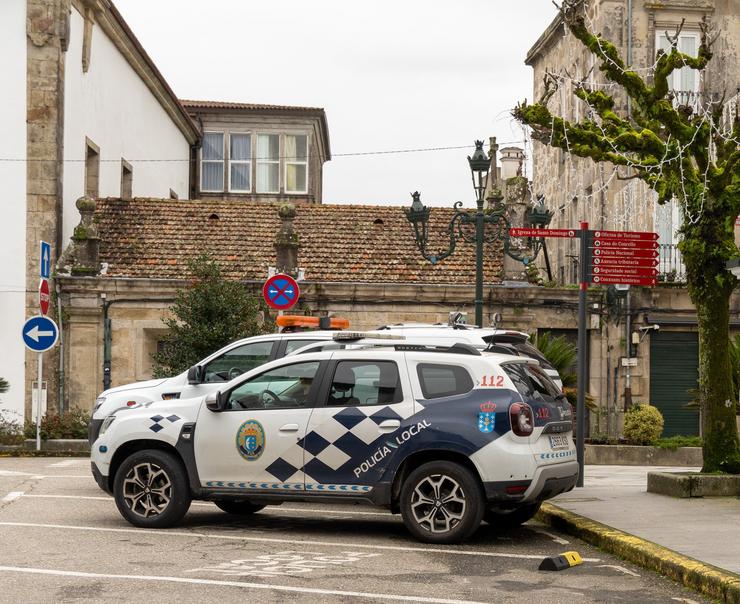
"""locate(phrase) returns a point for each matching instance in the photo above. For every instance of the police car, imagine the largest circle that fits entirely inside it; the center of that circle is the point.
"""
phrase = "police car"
(447, 436)
(221, 366)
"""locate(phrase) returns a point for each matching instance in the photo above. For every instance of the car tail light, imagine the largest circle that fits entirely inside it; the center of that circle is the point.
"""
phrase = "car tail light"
(522, 419)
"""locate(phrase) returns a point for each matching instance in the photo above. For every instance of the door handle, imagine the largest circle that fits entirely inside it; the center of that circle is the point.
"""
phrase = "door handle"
(289, 428)
(389, 425)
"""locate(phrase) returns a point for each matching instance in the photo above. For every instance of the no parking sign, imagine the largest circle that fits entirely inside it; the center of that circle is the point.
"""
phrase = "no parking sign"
(281, 292)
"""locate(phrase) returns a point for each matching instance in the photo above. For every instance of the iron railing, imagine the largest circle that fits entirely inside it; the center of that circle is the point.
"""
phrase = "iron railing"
(671, 268)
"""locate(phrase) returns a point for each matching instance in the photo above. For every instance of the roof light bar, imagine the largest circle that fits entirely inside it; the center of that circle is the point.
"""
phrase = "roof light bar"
(301, 321)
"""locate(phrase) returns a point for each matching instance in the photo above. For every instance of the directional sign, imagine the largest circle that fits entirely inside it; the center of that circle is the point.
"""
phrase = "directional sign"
(40, 333)
(621, 253)
(624, 270)
(517, 232)
(626, 235)
(281, 292)
(628, 261)
(45, 260)
(598, 280)
(623, 245)
(44, 296)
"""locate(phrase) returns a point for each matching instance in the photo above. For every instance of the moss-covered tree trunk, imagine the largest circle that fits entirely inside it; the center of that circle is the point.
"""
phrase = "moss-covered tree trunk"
(710, 287)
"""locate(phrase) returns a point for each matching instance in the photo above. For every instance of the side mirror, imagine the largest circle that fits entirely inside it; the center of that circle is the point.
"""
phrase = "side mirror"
(195, 374)
(216, 401)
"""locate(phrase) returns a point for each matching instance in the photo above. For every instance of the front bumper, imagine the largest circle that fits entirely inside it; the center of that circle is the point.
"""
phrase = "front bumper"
(94, 429)
(99, 478)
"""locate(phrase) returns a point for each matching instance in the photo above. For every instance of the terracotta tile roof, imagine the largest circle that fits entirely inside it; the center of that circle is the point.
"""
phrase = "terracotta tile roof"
(190, 104)
(346, 243)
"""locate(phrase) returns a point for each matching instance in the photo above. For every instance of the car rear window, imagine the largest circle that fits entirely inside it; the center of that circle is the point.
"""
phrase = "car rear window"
(439, 380)
(531, 382)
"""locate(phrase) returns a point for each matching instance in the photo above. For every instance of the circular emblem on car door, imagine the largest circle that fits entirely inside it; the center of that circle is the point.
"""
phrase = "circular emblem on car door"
(250, 440)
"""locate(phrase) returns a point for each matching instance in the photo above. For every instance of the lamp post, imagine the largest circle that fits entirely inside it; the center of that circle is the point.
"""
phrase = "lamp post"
(490, 226)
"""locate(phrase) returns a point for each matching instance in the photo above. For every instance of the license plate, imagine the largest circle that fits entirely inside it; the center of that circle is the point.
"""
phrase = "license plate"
(559, 441)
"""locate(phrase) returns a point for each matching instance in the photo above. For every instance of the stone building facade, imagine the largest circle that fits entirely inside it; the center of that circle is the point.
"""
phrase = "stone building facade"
(578, 189)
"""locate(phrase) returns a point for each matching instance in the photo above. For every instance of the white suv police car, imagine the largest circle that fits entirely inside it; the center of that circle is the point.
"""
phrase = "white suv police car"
(445, 436)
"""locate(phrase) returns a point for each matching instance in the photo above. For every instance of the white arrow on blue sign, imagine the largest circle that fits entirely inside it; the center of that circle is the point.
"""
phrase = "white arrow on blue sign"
(40, 333)
(45, 260)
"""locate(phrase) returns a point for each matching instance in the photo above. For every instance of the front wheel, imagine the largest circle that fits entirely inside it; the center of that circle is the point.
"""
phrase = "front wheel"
(238, 508)
(151, 489)
(507, 519)
(441, 502)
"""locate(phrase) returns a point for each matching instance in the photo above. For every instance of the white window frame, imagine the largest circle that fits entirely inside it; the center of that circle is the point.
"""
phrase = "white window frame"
(674, 79)
(297, 163)
(259, 161)
(247, 162)
(213, 161)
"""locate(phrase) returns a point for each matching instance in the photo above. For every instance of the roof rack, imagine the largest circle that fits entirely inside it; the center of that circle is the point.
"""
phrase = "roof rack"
(361, 335)
(458, 348)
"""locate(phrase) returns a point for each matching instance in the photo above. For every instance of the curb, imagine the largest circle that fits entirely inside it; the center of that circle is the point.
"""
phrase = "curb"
(709, 580)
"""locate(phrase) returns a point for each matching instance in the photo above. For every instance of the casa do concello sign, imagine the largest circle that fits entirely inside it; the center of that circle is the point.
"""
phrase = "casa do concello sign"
(606, 257)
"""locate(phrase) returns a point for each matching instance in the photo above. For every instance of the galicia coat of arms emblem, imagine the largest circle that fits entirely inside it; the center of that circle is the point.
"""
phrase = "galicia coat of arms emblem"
(250, 440)
(487, 417)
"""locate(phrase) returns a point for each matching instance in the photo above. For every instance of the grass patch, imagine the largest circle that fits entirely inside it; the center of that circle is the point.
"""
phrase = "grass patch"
(674, 442)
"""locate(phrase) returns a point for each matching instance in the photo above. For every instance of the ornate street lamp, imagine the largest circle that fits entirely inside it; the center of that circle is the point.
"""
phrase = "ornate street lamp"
(490, 226)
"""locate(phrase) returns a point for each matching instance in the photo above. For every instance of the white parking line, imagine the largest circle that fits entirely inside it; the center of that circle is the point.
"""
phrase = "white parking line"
(40, 476)
(12, 496)
(68, 462)
(300, 590)
(299, 542)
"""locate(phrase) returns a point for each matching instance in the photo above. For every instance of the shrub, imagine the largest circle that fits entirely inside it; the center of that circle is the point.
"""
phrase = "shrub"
(11, 431)
(72, 424)
(642, 424)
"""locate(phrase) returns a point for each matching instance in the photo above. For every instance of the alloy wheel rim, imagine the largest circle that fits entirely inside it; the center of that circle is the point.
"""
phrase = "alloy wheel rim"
(438, 503)
(147, 490)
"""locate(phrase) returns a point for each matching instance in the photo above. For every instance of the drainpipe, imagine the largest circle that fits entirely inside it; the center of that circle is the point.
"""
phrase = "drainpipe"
(628, 375)
(108, 334)
(629, 49)
(60, 392)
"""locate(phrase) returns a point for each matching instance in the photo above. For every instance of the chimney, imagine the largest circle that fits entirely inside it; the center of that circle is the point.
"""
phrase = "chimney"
(511, 162)
(286, 242)
(81, 257)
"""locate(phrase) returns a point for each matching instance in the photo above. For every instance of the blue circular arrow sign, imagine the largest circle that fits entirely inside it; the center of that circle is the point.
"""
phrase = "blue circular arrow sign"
(281, 292)
(40, 333)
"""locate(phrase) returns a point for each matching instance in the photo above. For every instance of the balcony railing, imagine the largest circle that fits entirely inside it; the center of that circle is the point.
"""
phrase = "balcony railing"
(671, 268)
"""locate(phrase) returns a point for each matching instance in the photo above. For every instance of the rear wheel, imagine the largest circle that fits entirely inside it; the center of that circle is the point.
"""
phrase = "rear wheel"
(441, 502)
(239, 508)
(151, 489)
(506, 519)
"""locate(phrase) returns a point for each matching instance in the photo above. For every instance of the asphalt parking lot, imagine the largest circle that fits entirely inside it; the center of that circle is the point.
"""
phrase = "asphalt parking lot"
(63, 540)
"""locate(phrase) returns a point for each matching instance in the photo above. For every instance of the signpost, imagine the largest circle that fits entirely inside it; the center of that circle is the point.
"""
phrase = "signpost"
(39, 334)
(606, 257)
(281, 292)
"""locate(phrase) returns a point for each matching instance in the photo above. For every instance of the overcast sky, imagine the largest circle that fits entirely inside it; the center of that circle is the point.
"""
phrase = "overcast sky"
(401, 74)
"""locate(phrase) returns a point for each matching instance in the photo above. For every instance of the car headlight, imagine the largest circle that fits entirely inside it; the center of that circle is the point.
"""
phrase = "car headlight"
(106, 424)
(98, 401)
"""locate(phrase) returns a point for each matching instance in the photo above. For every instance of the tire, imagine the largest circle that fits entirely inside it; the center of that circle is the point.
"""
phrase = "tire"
(239, 508)
(151, 489)
(424, 512)
(508, 519)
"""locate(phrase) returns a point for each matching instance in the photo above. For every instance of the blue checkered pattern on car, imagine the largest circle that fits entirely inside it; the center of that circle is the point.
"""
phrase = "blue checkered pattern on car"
(286, 486)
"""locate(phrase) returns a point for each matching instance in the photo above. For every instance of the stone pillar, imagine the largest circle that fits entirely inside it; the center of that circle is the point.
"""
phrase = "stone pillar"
(46, 32)
(286, 242)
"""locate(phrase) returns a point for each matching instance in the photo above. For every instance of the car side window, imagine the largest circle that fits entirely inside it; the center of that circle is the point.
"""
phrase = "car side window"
(293, 345)
(357, 383)
(238, 360)
(284, 387)
(437, 380)
(515, 371)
